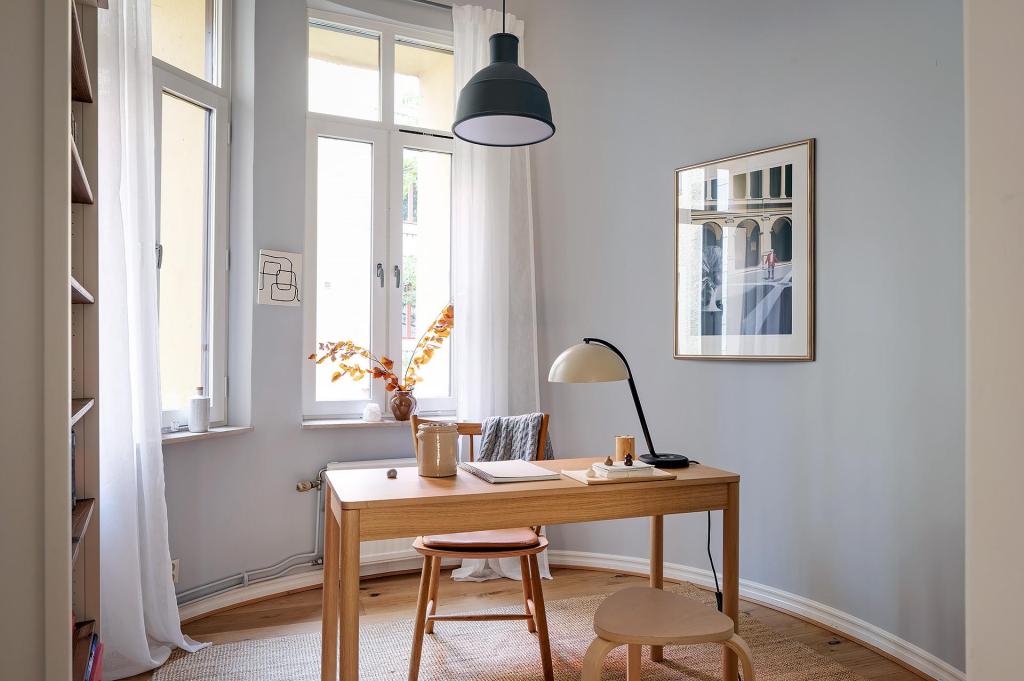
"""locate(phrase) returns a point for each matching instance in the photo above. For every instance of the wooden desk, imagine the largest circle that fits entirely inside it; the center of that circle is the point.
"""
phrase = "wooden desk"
(364, 505)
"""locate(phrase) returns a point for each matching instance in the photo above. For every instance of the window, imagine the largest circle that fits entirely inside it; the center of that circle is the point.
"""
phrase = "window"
(379, 164)
(191, 122)
(186, 36)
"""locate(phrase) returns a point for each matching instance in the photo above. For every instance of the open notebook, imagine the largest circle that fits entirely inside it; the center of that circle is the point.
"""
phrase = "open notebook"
(508, 471)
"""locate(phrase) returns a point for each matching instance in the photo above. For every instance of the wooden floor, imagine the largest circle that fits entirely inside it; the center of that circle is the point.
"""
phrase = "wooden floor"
(387, 598)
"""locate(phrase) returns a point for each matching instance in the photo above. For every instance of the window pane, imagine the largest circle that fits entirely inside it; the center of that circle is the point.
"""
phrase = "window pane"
(344, 73)
(426, 256)
(424, 86)
(183, 33)
(183, 235)
(344, 225)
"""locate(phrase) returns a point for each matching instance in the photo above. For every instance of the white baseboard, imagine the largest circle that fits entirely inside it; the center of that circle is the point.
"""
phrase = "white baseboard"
(844, 623)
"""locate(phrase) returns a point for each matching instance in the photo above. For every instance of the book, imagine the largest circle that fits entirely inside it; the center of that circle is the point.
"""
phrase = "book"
(639, 469)
(497, 472)
(97, 665)
(91, 664)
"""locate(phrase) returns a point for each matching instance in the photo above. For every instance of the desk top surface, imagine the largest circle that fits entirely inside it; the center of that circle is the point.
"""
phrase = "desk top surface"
(370, 487)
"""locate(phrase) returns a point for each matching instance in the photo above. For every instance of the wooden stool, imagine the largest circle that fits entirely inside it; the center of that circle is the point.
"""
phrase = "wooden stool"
(641, 616)
(523, 543)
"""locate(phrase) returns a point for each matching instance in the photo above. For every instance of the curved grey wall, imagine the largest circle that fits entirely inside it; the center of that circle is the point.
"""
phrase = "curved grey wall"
(853, 466)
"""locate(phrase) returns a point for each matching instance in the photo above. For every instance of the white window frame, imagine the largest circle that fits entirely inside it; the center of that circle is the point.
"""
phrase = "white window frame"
(214, 97)
(388, 141)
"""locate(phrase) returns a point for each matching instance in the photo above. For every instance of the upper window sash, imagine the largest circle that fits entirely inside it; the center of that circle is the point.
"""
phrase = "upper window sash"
(215, 40)
(389, 33)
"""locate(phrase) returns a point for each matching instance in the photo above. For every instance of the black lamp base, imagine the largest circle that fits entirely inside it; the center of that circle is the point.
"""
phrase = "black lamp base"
(665, 460)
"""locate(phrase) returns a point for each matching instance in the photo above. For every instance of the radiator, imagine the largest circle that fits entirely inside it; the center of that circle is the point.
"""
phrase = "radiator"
(383, 550)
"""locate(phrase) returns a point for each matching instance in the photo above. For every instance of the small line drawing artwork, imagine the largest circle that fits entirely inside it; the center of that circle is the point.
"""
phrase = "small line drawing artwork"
(278, 276)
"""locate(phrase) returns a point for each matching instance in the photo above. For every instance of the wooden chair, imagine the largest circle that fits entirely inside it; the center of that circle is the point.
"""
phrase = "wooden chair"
(640, 616)
(524, 543)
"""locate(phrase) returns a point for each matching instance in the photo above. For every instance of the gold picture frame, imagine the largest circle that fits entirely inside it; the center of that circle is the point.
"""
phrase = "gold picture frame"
(744, 256)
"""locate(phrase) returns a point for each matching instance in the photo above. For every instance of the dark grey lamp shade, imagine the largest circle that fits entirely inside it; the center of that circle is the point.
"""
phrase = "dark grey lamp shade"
(503, 105)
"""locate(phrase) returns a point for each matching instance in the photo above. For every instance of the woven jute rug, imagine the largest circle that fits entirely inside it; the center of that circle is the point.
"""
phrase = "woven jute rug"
(500, 651)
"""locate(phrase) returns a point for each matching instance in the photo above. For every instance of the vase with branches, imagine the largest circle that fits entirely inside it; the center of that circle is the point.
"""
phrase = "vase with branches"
(348, 359)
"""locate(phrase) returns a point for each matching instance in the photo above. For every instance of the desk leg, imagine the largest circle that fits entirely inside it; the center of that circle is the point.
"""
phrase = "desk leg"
(329, 626)
(657, 570)
(350, 595)
(731, 573)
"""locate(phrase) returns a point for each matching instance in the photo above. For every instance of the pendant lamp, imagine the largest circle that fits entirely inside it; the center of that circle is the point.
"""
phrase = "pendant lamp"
(503, 105)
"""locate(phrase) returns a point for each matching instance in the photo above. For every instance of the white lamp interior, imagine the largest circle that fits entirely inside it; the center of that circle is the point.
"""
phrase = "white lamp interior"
(503, 130)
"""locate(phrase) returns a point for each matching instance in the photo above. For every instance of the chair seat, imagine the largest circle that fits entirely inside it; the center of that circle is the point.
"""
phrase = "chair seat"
(654, 617)
(515, 538)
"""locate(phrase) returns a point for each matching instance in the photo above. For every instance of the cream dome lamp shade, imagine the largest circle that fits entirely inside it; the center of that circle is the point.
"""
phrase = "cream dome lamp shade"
(587, 363)
(598, 361)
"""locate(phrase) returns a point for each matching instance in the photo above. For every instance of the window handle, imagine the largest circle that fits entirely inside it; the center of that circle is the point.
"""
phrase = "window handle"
(380, 274)
(159, 255)
(398, 277)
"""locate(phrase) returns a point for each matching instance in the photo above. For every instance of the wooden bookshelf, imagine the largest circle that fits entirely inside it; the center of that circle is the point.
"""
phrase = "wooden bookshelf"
(71, 329)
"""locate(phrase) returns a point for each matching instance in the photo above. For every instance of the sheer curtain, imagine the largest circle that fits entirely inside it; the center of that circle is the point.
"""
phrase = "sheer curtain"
(140, 614)
(492, 222)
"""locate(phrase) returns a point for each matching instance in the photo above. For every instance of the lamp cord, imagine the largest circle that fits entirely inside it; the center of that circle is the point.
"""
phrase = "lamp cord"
(714, 573)
(502, 16)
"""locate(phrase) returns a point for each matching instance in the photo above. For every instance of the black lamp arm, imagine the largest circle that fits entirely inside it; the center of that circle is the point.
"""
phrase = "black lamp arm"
(632, 389)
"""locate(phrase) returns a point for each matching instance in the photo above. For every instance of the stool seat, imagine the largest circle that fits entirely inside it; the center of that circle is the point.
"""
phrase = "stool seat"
(515, 538)
(642, 615)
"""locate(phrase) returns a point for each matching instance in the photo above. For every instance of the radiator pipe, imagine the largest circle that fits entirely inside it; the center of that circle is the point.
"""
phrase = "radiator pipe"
(279, 569)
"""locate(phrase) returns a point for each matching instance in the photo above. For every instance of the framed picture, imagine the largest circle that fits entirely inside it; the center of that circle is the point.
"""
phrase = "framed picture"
(278, 277)
(744, 276)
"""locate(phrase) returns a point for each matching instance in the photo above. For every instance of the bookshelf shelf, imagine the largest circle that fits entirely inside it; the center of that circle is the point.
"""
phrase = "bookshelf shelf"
(79, 294)
(81, 191)
(81, 516)
(81, 84)
(80, 407)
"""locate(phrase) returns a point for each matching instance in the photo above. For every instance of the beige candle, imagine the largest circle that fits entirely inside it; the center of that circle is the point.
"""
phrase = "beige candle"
(624, 444)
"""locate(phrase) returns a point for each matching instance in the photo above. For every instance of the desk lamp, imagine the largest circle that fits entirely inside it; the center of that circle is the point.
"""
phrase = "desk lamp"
(598, 361)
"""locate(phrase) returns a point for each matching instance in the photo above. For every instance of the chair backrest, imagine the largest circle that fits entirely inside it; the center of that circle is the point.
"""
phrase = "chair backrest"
(473, 430)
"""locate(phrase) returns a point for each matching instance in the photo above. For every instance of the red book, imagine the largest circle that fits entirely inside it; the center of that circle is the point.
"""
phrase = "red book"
(97, 663)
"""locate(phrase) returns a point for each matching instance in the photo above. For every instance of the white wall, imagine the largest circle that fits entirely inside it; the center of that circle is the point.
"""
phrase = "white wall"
(21, 359)
(995, 326)
(853, 466)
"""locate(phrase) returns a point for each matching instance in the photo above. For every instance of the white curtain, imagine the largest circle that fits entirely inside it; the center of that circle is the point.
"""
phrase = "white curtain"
(492, 222)
(140, 615)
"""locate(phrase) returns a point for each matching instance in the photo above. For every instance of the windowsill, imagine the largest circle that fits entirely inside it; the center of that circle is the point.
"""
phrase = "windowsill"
(214, 433)
(320, 424)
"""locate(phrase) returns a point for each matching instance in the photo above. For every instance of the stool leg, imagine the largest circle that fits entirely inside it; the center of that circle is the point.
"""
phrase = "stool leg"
(421, 615)
(598, 650)
(435, 577)
(541, 618)
(633, 662)
(742, 650)
(524, 568)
